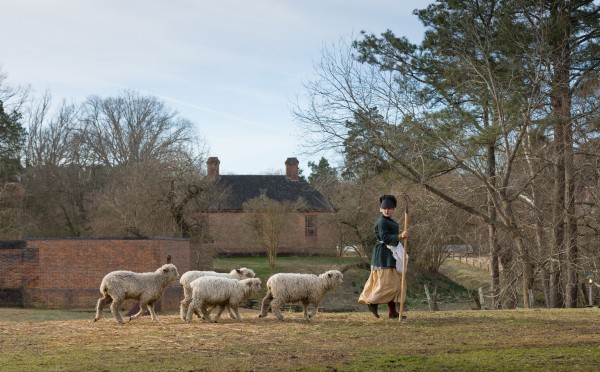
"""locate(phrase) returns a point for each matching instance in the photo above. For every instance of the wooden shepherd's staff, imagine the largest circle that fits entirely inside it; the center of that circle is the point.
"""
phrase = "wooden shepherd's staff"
(403, 293)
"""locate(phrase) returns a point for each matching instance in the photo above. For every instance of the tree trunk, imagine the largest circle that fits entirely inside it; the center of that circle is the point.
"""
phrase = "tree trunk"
(558, 228)
(201, 256)
(526, 270)
(540, 242)
(561, 103)
(495, 262)
(492, 232)
(570, 221)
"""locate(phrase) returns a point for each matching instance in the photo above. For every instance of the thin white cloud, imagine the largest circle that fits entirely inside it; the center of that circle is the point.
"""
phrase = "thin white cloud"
(227, 65)
(222, 114)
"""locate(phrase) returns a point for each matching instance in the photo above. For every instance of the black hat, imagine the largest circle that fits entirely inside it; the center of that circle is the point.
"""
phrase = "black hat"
(387, 201)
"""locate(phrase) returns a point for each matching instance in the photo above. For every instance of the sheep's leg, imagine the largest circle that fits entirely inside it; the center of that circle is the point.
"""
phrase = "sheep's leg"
(202, 307)
(305, 310)
(231, 313)
(276, 305)
(183, 307)
(209, 309)
(100, 305)
(190, 312)
(264, 308)
(187, 298)
(114, 309)
(139, 313)
(315, 309)
(218, 316)
(152, 312)
(236, 313)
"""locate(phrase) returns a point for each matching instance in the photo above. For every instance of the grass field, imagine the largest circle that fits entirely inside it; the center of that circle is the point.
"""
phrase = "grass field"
(459, 340)
(515, 340)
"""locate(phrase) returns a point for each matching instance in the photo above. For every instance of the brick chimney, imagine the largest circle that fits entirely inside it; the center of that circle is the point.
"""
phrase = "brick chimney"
(212, 167)
(291, 169)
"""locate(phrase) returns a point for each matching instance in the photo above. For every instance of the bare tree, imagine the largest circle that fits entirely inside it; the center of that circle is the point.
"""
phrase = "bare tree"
(155, 198)
(437, 224)
(121, 166)
(267, 219)
(133, 129)
(56, 179)
(154, 160)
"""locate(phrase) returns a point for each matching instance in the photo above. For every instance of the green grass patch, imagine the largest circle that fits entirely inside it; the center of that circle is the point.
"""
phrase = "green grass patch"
(449, 283)
(465, 275)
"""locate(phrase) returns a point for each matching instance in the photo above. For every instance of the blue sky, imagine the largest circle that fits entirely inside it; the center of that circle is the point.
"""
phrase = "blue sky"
(232, 67)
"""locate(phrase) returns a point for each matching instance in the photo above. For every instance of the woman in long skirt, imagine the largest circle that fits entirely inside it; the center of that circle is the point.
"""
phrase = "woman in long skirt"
(384, 285)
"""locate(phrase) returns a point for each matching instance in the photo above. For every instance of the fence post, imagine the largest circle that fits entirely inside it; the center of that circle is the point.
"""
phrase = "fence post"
(481, 298)
(530, 292)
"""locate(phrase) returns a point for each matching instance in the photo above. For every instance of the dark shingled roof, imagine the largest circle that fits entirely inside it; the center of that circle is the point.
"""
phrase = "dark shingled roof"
(280, 188)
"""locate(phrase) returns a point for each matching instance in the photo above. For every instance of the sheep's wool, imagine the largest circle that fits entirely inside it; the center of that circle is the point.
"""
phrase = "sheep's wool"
(308, 289)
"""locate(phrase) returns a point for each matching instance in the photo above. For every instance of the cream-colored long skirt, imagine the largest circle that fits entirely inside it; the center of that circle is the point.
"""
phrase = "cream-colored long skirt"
(383, 286)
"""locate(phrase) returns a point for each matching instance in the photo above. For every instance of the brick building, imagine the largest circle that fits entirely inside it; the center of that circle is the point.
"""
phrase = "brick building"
(66, 273)
(226, 223)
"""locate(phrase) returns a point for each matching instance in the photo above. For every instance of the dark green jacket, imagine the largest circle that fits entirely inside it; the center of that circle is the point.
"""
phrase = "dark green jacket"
(386, 231)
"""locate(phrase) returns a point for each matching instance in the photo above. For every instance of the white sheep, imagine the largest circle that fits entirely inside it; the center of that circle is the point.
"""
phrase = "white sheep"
(210, 291)
(308, 289)
(190, 276)
(147, 288)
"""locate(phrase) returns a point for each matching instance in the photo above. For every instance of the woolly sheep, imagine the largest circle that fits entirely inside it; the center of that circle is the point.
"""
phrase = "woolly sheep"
(147, 288)
(218, 291)
(190, 276)
(285, 288)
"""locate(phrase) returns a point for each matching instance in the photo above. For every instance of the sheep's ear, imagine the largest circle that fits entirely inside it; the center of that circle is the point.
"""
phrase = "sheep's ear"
(330, 275)
(238, 271)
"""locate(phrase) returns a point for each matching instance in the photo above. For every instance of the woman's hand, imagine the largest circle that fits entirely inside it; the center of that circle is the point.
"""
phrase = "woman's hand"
(403, 234)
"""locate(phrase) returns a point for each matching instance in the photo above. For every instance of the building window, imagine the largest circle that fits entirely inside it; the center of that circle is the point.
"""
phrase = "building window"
(310, 225)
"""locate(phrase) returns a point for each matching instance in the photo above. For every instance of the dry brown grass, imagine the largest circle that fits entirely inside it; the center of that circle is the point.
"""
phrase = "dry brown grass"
(507, 340)
(452, 340)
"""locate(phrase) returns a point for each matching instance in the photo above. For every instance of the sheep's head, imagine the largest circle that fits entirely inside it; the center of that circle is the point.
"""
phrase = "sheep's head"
(334, 278)
(252, 284)
(244, 273)
(170, 271)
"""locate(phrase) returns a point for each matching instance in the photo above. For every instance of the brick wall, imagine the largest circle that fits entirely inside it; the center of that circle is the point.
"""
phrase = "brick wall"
(18, 268)
(66, 273)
